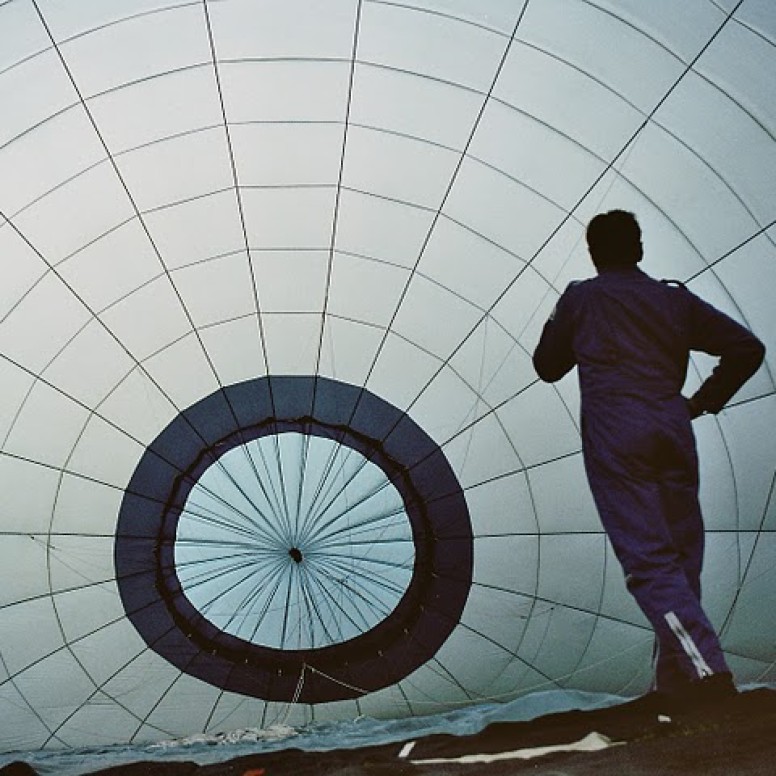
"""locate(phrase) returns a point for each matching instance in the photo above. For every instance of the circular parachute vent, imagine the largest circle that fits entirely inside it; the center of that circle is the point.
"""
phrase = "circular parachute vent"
(294, 539)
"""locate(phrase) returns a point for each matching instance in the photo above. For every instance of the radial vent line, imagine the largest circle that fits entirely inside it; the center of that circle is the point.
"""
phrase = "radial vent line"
(226, 507)
(331, 624)
(325, 498)
(321, 515)
(327, 480)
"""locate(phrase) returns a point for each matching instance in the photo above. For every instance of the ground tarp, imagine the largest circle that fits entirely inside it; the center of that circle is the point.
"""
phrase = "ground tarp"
(739, 737)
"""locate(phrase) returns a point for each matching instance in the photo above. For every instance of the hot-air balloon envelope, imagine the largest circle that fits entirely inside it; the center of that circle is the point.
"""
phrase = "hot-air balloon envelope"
(272, 443)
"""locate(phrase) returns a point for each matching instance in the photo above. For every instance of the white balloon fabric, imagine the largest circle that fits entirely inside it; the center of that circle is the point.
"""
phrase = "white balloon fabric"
(272, 444)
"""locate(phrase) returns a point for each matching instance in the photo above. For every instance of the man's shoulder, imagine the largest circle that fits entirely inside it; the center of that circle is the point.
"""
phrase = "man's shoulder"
(575, 285)
(574, 290)
(673, 283)
(678, 291)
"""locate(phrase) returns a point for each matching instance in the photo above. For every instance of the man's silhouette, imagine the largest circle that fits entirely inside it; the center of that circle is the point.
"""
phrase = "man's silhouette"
(631, 336)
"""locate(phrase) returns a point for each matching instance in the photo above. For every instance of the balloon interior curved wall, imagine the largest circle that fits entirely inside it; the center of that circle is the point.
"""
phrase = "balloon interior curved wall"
(203, 200)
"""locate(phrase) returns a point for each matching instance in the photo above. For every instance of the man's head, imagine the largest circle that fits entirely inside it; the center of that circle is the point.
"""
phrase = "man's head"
(614, 240)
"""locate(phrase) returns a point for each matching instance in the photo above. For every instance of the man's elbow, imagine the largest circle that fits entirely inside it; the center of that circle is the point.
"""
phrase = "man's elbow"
(547, 376)
(756, 354)
(549, 372)
(749, 358)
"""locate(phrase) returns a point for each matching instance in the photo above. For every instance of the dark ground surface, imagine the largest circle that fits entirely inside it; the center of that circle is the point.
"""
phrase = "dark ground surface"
(736, 738)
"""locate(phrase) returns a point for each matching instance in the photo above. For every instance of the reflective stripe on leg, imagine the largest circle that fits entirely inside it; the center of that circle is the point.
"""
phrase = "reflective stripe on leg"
(688, 645)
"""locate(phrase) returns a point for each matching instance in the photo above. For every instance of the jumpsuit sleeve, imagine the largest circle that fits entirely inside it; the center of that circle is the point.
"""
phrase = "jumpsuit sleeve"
(740, 355)
(554, 355)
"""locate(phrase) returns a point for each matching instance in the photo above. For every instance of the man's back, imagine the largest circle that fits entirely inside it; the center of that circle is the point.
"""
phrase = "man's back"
(631, 336)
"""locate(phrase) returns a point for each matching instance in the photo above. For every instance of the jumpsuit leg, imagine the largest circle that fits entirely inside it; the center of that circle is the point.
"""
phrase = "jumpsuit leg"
(685, 524)
(645, 530)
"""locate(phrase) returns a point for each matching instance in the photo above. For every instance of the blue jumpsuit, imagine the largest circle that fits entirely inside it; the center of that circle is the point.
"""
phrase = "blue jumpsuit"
(631, 337)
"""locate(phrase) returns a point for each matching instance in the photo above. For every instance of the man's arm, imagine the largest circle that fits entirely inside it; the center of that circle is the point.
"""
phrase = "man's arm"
(740, 355)
(554, 356)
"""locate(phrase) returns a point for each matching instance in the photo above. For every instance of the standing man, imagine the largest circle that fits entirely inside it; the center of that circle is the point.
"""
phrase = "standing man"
(631, 336)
